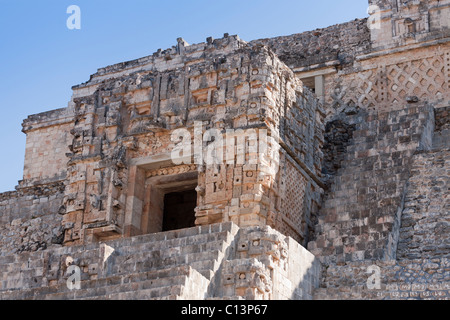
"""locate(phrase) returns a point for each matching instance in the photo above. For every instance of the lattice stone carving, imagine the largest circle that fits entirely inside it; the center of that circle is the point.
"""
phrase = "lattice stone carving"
(389, 85)
(367, 91)
(357, 89)
(421, 78)
(293, 202)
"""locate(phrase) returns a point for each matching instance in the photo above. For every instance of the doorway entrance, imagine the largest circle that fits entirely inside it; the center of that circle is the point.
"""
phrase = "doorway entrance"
(179, 210)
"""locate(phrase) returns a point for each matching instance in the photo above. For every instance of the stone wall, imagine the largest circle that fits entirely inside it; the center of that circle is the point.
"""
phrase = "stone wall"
(442, 117)
(126, 114)
(419, 237)
(335, 45)
(367, 193)
(418, 279)
(268, 265)
(207, 262)
(381, 68)
(441, 138)
(338, 135)
(406, 22)
(47, 145)
(29, 219)
(358, 218)
(390, 81)
(425, 225)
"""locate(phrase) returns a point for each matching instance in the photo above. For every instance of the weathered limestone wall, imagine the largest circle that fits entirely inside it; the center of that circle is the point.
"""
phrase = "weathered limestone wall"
(418, 279)
(338, 135)
(332, 46)
(29, 219)
(207, 262)
(441, 137)
(359, 217)
(425, 226)
(297, 194)
(388, 82)
(126, 114)
(280, 268)
(406, 22)
(442, 118)
(379, 68)
(419, 236)
(48, 140)
(98, 170)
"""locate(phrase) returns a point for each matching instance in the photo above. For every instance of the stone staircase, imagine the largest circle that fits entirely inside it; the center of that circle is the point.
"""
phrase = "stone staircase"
(171, 265)
(425, 227)
(359, 219)
(413, 264)
(175, 283)
(417, 279)
(219, 261)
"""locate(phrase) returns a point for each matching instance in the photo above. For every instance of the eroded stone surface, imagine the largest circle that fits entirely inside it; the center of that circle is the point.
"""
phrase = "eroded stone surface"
(360, 177)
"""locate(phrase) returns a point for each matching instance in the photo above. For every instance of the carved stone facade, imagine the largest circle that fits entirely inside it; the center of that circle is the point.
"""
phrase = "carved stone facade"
(205, 171)
(126, 119)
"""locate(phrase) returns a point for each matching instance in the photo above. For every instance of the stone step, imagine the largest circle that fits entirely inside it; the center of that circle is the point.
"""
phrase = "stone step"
(112, 284)
(159, 293)
(154, 284)
(165, 293)
(150, 260)
(344, 293)
(164, 239)
(205, 261)
(362, 196)
(193, 243)
(157, 288)
(191, 251)
(349, 178)
(178, 234)
(206, 268)
(368, 186)
(190, 285)
(189, 247)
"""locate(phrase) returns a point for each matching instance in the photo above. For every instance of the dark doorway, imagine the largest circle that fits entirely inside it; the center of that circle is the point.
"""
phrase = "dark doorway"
(179, 210)
(310, 83)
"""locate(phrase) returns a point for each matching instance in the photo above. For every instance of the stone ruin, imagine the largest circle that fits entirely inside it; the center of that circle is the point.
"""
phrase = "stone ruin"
(329, 179)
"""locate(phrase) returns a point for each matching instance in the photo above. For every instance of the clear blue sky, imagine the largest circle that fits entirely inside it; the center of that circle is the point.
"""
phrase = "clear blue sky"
(41, 59)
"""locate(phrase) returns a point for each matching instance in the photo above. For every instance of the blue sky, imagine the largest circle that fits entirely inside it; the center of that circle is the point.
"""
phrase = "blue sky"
(41, 59)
